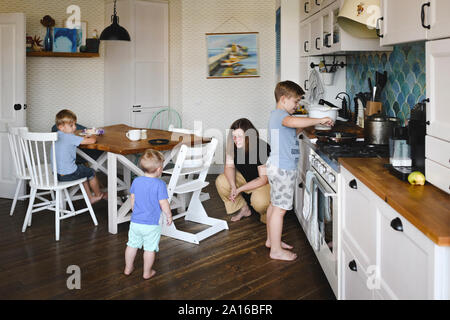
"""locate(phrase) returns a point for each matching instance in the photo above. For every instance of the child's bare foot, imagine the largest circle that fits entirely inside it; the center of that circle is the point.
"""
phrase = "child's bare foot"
(128, 271)
(283, 255)
(283, 245)
(94, 199)
(244, 212)
(146, 276)
(105, 196)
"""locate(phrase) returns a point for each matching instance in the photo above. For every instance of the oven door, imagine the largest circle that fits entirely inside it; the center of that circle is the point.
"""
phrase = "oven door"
(323, 224)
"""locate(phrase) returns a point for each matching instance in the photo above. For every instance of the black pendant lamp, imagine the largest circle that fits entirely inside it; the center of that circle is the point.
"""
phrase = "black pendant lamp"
(114, 31)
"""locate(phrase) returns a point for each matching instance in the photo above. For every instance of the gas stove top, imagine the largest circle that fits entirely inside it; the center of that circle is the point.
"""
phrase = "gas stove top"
(358, 149)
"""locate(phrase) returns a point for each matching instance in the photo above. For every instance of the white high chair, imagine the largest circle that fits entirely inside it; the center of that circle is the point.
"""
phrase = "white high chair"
(196, 161)
(44, 176)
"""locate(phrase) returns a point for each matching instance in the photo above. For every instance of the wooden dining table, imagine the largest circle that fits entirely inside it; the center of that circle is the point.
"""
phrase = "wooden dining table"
(118, 149)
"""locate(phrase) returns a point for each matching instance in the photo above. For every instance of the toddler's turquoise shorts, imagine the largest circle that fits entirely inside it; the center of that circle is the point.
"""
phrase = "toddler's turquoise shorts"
(144, 235)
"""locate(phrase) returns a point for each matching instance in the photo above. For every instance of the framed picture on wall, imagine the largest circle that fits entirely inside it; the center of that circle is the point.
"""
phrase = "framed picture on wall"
(232, 55)
(81, 33)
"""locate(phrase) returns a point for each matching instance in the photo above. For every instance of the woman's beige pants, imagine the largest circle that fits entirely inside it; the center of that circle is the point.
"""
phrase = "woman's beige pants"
(259, 199)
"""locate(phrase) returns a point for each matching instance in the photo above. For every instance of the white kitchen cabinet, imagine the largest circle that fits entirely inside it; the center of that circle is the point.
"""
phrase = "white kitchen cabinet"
(438, 113)
(406, 257)
(439, 21)
(397, 261)
(354, 278)
(358, 219)
(305, 39)
(316, 35)
(137, 72)
(413, 20)
(303, 166)
(401, 21)
(304, 74)
(306, 9)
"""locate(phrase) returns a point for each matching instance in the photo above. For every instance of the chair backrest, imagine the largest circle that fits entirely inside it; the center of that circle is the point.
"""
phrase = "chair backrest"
(164, 118)
(39, 151)
(16, 152)
(202, 155)
(172, 128)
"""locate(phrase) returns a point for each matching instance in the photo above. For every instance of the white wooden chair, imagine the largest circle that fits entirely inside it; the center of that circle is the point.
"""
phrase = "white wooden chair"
(183, 199)
(41, 146)
(20, 168)
(192, 160)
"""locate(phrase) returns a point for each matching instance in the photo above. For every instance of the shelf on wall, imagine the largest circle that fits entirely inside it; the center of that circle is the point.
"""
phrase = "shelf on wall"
(62, 54)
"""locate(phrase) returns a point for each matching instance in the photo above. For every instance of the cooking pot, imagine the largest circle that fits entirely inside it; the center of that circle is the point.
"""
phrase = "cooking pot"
(378, 129)
(318, 112)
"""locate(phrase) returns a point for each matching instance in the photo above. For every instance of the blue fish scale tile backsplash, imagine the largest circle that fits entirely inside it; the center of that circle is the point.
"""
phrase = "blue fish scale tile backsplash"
(406, 85)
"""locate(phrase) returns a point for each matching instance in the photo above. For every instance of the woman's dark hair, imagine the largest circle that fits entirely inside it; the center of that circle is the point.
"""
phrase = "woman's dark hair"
(251, 133)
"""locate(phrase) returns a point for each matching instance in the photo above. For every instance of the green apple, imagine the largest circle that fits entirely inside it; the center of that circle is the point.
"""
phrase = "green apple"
(416, 178)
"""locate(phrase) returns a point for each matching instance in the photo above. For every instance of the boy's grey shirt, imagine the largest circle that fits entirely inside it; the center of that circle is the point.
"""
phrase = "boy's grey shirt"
(284, 144)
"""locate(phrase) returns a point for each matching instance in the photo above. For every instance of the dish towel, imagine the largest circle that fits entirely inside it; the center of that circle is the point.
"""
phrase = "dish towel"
(316, 91)
(307, 196)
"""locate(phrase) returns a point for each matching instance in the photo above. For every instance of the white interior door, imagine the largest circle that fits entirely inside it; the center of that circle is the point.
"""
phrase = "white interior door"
(151, 57)
(12, 92)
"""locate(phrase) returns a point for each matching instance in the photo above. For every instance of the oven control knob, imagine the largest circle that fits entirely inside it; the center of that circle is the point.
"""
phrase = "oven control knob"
(331, 178)
(322, 169)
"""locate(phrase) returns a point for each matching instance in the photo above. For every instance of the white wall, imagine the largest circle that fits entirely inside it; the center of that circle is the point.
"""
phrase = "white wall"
(218, 102)
(56, 83)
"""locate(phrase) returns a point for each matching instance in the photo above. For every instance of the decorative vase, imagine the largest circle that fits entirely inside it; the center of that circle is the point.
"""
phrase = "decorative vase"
(48, 40)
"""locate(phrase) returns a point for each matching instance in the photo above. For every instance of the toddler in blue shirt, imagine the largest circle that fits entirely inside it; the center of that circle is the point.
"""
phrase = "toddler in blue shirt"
(148, 198)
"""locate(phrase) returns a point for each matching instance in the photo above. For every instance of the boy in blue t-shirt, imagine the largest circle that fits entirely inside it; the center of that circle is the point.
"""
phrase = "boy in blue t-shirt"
(282, 163)
(148, 198)
(65, 151)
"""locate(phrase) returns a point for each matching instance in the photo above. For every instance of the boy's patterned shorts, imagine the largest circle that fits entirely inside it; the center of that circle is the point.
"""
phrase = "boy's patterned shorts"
(282, 186)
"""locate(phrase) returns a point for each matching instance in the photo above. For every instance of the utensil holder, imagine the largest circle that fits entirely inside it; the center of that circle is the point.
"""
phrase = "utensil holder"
(373, 107)
(328, 78)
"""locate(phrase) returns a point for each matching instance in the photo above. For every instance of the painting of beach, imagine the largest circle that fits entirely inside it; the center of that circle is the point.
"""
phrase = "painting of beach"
(232, 55)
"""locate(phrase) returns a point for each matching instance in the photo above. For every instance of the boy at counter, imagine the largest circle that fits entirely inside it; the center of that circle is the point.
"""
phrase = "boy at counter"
(148, 198)
(282, 163)
(65, 150)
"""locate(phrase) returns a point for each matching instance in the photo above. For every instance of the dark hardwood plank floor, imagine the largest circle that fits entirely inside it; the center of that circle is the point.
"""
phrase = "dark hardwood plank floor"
(233, 264)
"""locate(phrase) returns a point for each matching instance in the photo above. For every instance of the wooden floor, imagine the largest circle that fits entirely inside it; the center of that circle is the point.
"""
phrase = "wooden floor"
(233, 264)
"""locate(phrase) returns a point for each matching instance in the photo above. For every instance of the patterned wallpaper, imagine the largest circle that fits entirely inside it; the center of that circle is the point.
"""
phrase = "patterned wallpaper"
(218, 102)
(406, 84)
(55, 83)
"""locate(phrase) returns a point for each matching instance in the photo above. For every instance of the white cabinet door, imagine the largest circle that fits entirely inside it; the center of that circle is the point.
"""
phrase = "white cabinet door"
(438, 175)
(354, 279)
(316, 35)
(402, 21)
(306, 7)
(405, 257)
(438, 71)
(358, 219)
(439, 21)
(304, 74)
(305, 39)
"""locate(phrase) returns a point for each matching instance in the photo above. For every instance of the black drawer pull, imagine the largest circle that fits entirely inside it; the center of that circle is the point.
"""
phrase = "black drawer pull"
(353, 184)
(304, 46)
(397, 225)
(378, 28)
(300, 185)
(352, 265)
(422, 15)
(317, 47)
(306, 3)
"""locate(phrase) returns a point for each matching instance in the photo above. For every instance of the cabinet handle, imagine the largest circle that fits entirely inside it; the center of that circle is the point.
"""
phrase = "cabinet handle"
(306, 3)
(305, 83)
(17, 106)
(300, 137)
(326, 40)
(136, 110)
(397, 225)
(352, 266)
(304, 46)
(138, 106)
(317, 4)
(378, 28)
(317, 47)
(353, 184)
(300, 185)
(422, 15)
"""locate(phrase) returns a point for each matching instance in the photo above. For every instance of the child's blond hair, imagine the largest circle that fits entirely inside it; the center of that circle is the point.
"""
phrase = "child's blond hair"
(151, 161)
(65, 116)
(288, 89)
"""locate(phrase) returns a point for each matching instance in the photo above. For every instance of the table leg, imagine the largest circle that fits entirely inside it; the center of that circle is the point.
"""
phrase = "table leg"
(112, 193)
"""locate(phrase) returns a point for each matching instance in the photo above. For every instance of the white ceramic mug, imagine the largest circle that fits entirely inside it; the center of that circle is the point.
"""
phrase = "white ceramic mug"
(133, 135)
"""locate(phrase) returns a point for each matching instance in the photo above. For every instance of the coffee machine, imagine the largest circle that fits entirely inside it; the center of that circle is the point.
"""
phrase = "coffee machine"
(407, 145)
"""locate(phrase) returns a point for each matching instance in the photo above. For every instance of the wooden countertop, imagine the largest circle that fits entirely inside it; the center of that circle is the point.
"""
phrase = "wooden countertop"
(426, 207)
(340, 126)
